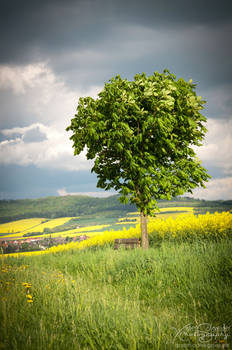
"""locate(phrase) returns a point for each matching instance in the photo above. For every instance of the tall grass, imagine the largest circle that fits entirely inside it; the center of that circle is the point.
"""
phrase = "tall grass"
(106, 299)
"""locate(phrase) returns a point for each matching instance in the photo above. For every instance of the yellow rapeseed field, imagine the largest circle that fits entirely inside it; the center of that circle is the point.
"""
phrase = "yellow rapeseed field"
(169, 209)
(164, 213)
(127, 222)
(215, 226)
(51, 224)
(20, 225)
(185, 209)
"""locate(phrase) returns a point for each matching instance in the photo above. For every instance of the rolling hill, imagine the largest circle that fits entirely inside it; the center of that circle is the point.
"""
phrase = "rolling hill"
(53, 207)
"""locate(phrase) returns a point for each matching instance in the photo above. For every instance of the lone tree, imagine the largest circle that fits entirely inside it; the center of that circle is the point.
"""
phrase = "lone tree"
(141, 135)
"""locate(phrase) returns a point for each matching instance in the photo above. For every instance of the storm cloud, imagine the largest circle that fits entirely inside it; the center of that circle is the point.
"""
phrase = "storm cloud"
(89, 40)
(54, 51)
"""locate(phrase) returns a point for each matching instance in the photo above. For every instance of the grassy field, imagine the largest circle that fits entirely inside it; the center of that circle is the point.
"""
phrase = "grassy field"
(174, 295)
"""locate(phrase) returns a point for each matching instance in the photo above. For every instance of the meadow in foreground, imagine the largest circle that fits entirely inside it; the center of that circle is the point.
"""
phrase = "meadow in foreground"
(99, 298)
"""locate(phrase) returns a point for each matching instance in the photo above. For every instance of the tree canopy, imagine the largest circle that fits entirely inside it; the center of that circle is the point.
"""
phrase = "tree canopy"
(141, 135)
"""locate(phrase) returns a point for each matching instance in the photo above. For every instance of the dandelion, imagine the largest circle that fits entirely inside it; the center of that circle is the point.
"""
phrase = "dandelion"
(29, 298)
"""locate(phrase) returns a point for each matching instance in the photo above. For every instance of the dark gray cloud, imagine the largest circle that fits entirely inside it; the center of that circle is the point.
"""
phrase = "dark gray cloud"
(31, 182)
(32, 28)
(88, 41)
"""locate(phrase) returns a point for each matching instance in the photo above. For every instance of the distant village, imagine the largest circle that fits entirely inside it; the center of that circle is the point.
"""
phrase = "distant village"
(35, 244)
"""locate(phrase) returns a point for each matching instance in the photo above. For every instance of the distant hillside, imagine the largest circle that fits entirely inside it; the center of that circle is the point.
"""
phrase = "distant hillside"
(53, 207)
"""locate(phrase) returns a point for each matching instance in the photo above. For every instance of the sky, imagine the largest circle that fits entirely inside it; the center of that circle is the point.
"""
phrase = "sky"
(55, 51)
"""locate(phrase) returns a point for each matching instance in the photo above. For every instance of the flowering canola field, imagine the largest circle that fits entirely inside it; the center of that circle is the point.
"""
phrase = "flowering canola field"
(20, 225)
(164, 213)
(169, 209)
(209, 226)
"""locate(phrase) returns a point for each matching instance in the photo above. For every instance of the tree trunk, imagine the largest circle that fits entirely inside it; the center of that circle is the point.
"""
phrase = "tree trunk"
(144, 234)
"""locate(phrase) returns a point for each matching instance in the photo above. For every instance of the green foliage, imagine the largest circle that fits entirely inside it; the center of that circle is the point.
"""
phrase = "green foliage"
(141, 135)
